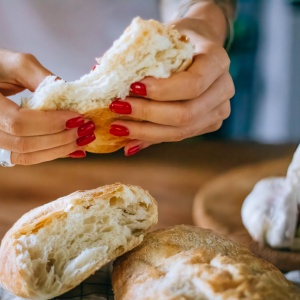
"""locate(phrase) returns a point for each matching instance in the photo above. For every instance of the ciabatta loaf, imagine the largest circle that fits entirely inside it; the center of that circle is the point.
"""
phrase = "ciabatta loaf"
(55, 247)
(146, 48)
(191, 263)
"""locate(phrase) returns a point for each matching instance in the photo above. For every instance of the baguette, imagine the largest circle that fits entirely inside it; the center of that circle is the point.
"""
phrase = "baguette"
(53, 248)
(146, 48)
(191, 263)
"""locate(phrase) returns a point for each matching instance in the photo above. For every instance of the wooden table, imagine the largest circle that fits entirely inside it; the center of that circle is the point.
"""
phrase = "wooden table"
(171, 172)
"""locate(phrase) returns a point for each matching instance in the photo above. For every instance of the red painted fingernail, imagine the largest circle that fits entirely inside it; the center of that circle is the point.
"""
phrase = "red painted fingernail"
(118, 130)
(133, 150)
(77, 154)
(139, 88)
(82, 141)
(120, 107)
(86, 129)
(75, 122)
(94, 67)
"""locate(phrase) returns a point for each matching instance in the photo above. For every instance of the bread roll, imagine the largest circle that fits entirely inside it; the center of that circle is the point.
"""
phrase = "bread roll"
(53, 248)
(191, 263)
(146, 48)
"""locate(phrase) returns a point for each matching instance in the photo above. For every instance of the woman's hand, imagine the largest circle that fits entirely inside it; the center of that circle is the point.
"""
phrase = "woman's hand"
(189, 103)
(35, 136)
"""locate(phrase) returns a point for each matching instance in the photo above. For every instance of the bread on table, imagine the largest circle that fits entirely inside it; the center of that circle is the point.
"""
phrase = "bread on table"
(146, 48)
(53, 248)
(186, 262)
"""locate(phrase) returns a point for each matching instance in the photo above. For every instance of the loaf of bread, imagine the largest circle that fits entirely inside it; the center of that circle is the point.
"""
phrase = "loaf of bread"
(53, 248)
(186, 262)
(146, 48)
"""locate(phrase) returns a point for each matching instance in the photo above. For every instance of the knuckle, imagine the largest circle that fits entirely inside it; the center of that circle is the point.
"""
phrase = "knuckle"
(23, 58)
(223, 111)
(14, 126)
(181, 135)
(186, 116)
(24, 159)
(19, 144)
(216, 126)
(196, 85)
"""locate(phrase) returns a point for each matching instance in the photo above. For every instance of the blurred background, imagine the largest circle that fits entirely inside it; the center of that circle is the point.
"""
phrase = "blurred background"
(265, 66)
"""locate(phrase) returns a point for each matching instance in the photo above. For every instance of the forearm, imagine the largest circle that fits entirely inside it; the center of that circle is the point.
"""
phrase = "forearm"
(212, 17)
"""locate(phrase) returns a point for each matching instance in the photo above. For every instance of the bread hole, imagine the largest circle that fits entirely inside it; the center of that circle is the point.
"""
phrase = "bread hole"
(50, 264)
(89, 220)
(104, 220)
(87, 207)
(128, 212)
(108, 229)
(116, 201)
(120, 249)
(137, 231)
(144, 205)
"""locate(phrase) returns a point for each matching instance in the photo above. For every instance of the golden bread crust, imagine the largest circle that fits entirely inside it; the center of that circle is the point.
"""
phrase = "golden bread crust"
(223, 269)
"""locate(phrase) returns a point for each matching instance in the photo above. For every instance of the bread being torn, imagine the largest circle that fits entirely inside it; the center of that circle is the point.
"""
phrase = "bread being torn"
(53, 248)
(146, 48)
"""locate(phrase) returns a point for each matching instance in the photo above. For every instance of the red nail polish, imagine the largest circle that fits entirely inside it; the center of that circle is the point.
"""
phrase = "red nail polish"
(118, 130)
(86, 129)
(94, 67)
(75, 122)
(120, 107)
(77, 154)
(133, 150)
(139, 88)
(82, 141)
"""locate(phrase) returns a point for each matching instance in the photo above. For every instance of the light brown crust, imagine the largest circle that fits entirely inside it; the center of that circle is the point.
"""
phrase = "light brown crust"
(145, 265)
(11, 276)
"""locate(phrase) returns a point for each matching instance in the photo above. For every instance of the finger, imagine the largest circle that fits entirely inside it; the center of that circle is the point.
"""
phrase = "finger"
(26, 122)
(37, 143)
(181, 113)
(35, 71)
(206, 68)
(44, 155)
(135, 146)
(156, 133)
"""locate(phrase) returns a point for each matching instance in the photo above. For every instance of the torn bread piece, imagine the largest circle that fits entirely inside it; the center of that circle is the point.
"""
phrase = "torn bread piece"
(146, 48)
(53, 248)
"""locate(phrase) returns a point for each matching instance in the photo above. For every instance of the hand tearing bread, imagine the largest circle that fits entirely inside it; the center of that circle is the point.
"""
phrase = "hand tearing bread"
(186, 262)
(146, 48)
(53, 248)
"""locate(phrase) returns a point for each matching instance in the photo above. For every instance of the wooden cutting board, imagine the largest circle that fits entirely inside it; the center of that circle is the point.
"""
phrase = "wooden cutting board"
(217, 205)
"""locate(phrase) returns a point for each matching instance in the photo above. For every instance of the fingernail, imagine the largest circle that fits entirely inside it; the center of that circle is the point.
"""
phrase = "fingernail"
(120, 107)
(82, 141)
(75, 122)
(118, 130)
(139, 88)
(86, 129)
(133, 150)
(77, 154)
(94, 67)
